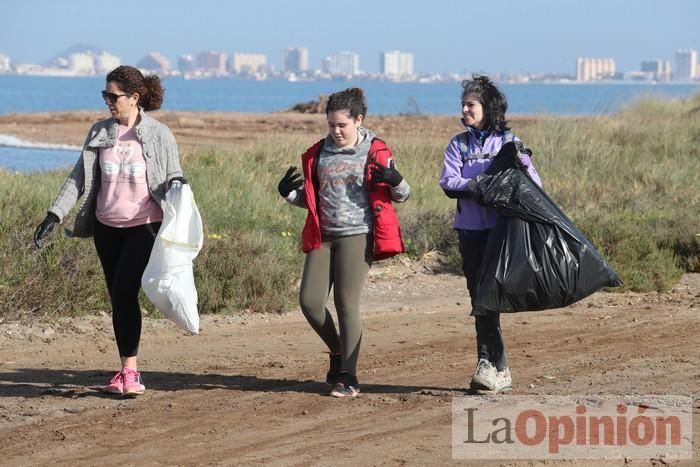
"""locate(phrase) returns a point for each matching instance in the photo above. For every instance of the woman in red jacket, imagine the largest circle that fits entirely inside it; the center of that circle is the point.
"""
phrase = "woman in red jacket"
(349, 181)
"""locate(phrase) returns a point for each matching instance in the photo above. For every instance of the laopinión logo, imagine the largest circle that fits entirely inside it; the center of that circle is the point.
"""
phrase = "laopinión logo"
(572, 427)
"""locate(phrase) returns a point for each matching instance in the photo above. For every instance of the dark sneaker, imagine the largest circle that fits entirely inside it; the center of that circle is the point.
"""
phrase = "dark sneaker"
(347, 386)
(333, 375)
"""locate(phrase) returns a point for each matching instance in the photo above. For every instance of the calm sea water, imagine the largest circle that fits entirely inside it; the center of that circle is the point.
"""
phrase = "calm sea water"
(33, 159)
(46, 94)
(49, 94)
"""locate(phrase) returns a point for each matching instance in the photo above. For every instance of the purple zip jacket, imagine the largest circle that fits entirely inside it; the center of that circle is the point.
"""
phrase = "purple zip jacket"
(465, 159)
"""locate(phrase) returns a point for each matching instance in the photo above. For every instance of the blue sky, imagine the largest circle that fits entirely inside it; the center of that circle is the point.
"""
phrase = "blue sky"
(445, 35)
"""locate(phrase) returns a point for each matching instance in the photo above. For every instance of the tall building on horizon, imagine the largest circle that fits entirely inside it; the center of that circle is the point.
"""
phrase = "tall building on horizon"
(211, 61)
(295, 60)
(106, 62)
(593, 69)
(154, 62)
(659, 69)
(686, 64)
(342, 64)
(186, 63)
(4, 63)
(81, 63)
(247, 63)
(396, 64)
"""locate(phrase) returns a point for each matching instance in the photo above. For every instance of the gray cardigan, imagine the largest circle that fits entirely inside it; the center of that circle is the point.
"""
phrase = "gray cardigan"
(162, 164)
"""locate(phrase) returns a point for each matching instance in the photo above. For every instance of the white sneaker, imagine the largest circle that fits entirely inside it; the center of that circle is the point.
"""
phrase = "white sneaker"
(484, 376)
(503, 381)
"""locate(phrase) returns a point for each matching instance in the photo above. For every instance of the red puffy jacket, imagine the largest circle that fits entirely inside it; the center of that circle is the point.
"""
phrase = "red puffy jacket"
(386, 228)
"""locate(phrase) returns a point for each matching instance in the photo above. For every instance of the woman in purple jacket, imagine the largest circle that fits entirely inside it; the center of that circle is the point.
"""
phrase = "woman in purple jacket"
(467, 156)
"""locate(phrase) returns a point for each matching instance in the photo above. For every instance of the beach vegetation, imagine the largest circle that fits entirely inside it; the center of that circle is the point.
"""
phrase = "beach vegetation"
(629, 181)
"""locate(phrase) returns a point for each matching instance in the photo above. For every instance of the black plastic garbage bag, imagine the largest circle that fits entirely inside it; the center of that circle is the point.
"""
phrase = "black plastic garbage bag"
(535, 258)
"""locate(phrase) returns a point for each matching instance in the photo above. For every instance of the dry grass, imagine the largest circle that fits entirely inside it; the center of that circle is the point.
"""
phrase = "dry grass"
(629, 181)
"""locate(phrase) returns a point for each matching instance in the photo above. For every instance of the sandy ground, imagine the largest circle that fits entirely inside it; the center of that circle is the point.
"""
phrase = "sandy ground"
(221, 129)
(248, 390)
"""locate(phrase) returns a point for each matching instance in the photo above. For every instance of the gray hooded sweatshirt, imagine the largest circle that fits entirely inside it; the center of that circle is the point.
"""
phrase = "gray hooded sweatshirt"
(343, 201)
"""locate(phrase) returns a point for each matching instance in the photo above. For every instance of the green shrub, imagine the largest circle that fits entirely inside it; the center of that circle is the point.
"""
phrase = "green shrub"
(425, 231)
(247, 271)
(629, 181)
(636, 254)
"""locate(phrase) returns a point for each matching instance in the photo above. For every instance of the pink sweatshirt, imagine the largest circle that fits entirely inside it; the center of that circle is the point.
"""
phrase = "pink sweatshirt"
(124, 199)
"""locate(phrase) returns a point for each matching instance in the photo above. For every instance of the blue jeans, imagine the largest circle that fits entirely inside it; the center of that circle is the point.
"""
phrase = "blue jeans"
(489, 338)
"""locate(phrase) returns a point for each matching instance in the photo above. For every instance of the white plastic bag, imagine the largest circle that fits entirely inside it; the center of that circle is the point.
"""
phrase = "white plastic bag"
(168, 279)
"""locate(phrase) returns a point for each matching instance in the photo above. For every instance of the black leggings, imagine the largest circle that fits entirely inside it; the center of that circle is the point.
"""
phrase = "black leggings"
(489, 339)
(124, 254)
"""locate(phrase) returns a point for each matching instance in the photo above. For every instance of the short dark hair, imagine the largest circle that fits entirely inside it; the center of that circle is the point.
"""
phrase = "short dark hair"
(131, 80)
(351, 99)
(492, 100)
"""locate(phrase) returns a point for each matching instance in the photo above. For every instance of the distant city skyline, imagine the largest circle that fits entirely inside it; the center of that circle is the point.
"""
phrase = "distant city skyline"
(395, 66)
(445, 36)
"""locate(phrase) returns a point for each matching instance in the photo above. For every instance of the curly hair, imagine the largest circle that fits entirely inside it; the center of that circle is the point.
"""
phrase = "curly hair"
(352, 100)
(131, 81)
(492, 100)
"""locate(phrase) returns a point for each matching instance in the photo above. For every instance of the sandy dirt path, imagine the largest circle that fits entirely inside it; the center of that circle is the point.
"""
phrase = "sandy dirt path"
(248, 391)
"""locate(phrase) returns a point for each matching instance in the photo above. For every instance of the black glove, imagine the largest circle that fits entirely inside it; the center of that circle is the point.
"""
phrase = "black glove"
(507, 158)
(182, 180)
(381, 174)
(470, 191)
(45, 228)
(291, 181)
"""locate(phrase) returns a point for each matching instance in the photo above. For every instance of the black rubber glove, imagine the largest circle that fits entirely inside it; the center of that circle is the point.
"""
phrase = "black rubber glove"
(291, 181)
(507, 158)
(381, 174)
(182, 180)
(45, 228)
(470, 191)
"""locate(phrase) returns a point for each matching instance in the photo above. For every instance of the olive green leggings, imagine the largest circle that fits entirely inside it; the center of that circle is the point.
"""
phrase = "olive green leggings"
(341, 263)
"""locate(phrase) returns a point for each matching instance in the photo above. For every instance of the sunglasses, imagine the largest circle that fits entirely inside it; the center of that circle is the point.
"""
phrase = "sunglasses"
(112, 97)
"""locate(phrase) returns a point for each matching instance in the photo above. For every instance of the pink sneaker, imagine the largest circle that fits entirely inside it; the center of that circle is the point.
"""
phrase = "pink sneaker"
(132, 383)
(115, 385)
